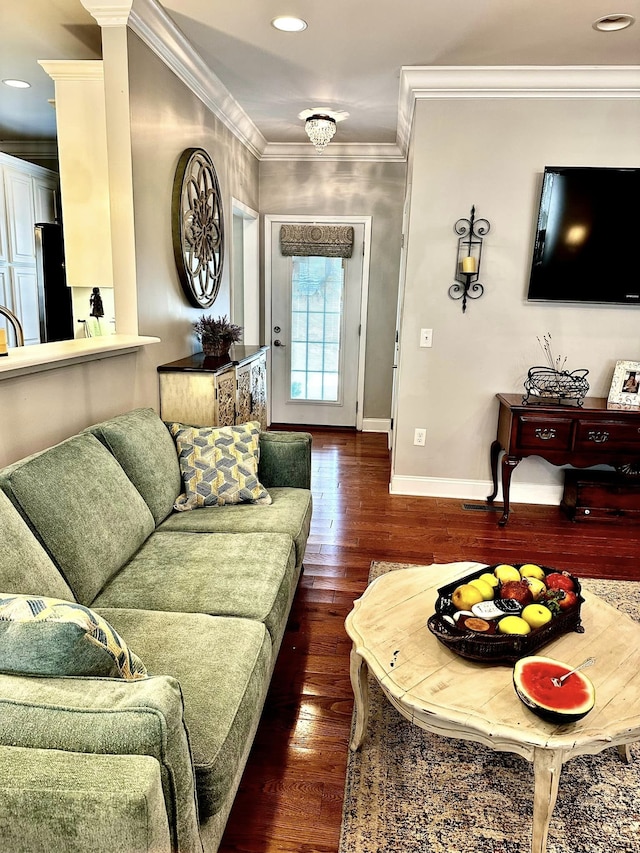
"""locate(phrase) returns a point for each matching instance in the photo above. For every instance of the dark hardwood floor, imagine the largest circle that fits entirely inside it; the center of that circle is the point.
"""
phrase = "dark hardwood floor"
(290, 798)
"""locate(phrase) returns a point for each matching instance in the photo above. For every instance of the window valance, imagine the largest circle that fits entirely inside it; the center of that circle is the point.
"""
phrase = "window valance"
(325, 241)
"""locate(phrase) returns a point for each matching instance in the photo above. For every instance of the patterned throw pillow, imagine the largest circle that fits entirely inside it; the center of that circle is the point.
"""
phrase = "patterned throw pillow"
(219, 465)
(48, 636)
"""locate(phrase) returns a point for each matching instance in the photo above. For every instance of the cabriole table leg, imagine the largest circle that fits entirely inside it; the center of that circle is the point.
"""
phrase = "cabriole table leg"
(547, 766)
(360, 684)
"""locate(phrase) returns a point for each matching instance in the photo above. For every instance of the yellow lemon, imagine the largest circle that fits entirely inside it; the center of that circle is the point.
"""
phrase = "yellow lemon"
(485, 589)
(530, 570)
(513, 625)
(505, 572)
(536, 615)
(465, 596)
(536, 586)
(492, 580)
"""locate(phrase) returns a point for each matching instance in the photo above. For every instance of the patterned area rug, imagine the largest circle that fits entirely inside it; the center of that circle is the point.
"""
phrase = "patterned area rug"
(408, 791)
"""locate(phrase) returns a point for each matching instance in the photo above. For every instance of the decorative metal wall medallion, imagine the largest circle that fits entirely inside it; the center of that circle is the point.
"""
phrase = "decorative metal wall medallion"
(198, 227)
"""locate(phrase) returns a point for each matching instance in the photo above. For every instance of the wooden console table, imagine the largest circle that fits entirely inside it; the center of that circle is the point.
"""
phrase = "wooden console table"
(581, 436)
(216, 390)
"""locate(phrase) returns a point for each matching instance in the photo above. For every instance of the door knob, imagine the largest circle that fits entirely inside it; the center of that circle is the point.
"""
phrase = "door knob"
(278, 343)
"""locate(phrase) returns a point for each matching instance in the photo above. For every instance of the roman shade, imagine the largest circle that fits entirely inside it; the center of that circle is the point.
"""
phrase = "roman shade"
(326, 241)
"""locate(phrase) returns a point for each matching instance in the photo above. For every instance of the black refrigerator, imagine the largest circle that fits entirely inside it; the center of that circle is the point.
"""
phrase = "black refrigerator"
(54, 297)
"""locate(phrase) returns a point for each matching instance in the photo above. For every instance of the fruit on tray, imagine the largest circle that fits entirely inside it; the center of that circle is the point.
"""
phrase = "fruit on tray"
(531, 570)
(511, 600)
(558, 580)
(513, 625)
(565, 704)
(517, 590)
(492, 580)
(505, 572)
(536, 615)
(465, 596)
(484, 588)
(538, 588)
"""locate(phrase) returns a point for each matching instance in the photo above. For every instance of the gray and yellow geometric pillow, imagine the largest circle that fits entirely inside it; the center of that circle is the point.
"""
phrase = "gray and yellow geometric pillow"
(48, 636)
(219, 465)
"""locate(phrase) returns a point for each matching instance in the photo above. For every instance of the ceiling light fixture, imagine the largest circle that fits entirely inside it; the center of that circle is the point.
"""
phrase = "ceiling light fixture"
(289, 24)
(17, 84)
(611, 23)
(320, 125)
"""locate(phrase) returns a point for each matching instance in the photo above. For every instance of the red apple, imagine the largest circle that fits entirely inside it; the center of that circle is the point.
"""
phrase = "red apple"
(568, 600)
(518, 590)
(556, 580)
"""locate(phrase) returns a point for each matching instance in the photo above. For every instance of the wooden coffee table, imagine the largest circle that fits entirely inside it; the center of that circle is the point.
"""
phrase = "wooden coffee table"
(448, 695)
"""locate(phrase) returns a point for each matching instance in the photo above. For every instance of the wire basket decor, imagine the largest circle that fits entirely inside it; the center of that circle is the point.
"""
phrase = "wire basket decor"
(557, 385)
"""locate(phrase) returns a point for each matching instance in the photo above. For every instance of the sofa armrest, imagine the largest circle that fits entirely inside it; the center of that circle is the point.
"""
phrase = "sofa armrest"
(55, 800)
(285, 459)
(109, 716)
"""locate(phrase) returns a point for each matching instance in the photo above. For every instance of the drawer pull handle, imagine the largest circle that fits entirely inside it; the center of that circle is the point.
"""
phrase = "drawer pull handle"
(545, 434)
(597, 436)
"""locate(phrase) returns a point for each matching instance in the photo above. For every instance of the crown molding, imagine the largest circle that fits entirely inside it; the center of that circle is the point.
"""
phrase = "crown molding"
(73, 69)
(109, 14)
(158, 31)
(39, 149)
(387, 152)
(515, 81)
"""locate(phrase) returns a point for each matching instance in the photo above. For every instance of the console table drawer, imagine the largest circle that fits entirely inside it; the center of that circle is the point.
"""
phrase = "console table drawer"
(550, 433)
(615, 435)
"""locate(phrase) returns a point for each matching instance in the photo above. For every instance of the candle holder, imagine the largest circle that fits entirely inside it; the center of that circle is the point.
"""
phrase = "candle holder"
(470, 237)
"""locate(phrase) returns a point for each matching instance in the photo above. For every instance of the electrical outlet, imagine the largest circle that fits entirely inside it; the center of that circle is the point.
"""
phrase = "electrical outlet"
(420, 437)
(426, 337)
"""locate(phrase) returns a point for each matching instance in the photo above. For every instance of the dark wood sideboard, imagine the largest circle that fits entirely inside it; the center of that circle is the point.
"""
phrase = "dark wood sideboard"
(580, 436)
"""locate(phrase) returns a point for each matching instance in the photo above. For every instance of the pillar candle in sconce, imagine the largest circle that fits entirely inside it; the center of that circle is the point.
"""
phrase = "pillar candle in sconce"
(471, 233)
(3, 342)
(469, 264)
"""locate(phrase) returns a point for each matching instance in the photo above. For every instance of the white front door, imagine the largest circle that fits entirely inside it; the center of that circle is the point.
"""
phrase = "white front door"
(315, 335)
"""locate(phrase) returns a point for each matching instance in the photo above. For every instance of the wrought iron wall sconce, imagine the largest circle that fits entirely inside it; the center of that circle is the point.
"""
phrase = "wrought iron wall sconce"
(470, 236)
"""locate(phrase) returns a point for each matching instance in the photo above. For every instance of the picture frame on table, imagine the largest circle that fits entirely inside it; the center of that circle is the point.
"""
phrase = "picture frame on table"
(625, 386)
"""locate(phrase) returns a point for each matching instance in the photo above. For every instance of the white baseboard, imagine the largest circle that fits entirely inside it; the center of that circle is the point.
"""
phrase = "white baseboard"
(477, 490)
(376, 425)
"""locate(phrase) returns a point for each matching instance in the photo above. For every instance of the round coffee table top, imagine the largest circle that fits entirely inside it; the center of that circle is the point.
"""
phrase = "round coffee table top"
(441, 691)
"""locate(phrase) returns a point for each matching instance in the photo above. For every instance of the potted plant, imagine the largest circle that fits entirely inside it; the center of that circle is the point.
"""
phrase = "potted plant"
(216, 334)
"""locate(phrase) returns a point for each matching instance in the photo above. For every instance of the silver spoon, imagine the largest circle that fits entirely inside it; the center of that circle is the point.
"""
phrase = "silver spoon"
(558, 681)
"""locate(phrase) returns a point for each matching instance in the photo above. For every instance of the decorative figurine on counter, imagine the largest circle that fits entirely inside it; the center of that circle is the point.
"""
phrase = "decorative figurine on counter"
(95, 303)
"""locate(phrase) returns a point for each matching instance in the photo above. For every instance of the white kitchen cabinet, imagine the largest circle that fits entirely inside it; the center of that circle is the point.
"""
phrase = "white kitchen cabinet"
(28, 194)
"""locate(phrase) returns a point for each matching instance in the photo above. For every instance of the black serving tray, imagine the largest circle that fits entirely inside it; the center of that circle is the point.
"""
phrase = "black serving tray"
(500, 647)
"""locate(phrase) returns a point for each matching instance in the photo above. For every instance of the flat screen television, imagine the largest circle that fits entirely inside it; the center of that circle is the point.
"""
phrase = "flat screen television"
(585, 248)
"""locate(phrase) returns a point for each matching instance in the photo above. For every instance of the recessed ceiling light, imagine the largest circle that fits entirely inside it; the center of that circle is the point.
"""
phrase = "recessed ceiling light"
(616, 21)
(289, 24)
(17, 84)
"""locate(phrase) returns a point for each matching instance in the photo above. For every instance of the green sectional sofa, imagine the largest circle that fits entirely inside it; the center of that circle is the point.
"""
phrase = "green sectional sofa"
(201, 597)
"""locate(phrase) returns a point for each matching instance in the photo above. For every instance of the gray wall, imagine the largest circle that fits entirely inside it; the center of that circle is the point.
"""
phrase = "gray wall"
(492, 153)
(41, 409)
(327, 188)
(167, 118)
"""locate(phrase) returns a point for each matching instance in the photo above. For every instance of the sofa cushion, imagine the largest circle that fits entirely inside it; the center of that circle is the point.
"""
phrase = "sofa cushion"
(141, 443)
(224, 679)
(250, 575)
(46, 636)
(290, 512)
(219, 465)
(109, 716)
(285, 459)
(86, 511)
(100, 803)
(25, 566)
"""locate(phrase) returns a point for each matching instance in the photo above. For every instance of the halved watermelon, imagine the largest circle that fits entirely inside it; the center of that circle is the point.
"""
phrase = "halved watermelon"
(532, 681)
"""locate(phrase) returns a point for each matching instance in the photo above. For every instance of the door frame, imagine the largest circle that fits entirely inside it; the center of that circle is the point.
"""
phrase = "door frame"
(366, 221)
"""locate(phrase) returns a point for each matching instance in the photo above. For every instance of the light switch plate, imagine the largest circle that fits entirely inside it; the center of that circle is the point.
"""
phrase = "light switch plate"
(426, 337)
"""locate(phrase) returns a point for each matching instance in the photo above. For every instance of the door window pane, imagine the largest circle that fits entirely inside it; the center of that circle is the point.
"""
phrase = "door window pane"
(317, 304)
